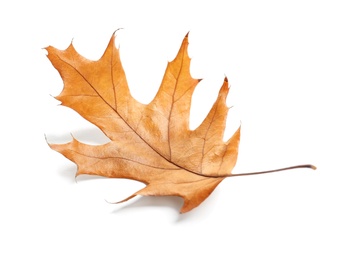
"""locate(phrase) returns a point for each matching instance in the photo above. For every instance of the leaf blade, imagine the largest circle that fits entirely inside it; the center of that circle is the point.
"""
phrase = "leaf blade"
(149, 143)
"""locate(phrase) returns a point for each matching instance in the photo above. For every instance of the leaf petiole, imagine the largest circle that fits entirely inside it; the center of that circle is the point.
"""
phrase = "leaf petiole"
(310, 166)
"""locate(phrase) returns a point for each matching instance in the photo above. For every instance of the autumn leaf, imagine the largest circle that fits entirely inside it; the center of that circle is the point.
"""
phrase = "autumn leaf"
(148, 143)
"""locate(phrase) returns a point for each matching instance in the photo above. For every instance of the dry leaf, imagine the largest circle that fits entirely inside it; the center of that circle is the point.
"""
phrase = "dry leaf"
(149, 143)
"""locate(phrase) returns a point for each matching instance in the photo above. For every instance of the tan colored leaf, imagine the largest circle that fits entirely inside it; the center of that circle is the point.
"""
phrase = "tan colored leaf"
(149, 143)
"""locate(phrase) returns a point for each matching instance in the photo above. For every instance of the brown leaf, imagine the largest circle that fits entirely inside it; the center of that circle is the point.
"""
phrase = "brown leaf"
(149, 143)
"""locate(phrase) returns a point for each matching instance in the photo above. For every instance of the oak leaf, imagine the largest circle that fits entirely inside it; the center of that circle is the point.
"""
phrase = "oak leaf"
(148, 143)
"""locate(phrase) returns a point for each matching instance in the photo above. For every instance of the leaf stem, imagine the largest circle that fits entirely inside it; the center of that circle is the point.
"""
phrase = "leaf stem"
(310, 166)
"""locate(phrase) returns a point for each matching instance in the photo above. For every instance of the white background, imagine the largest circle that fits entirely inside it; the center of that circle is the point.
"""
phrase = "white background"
(289, 66)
